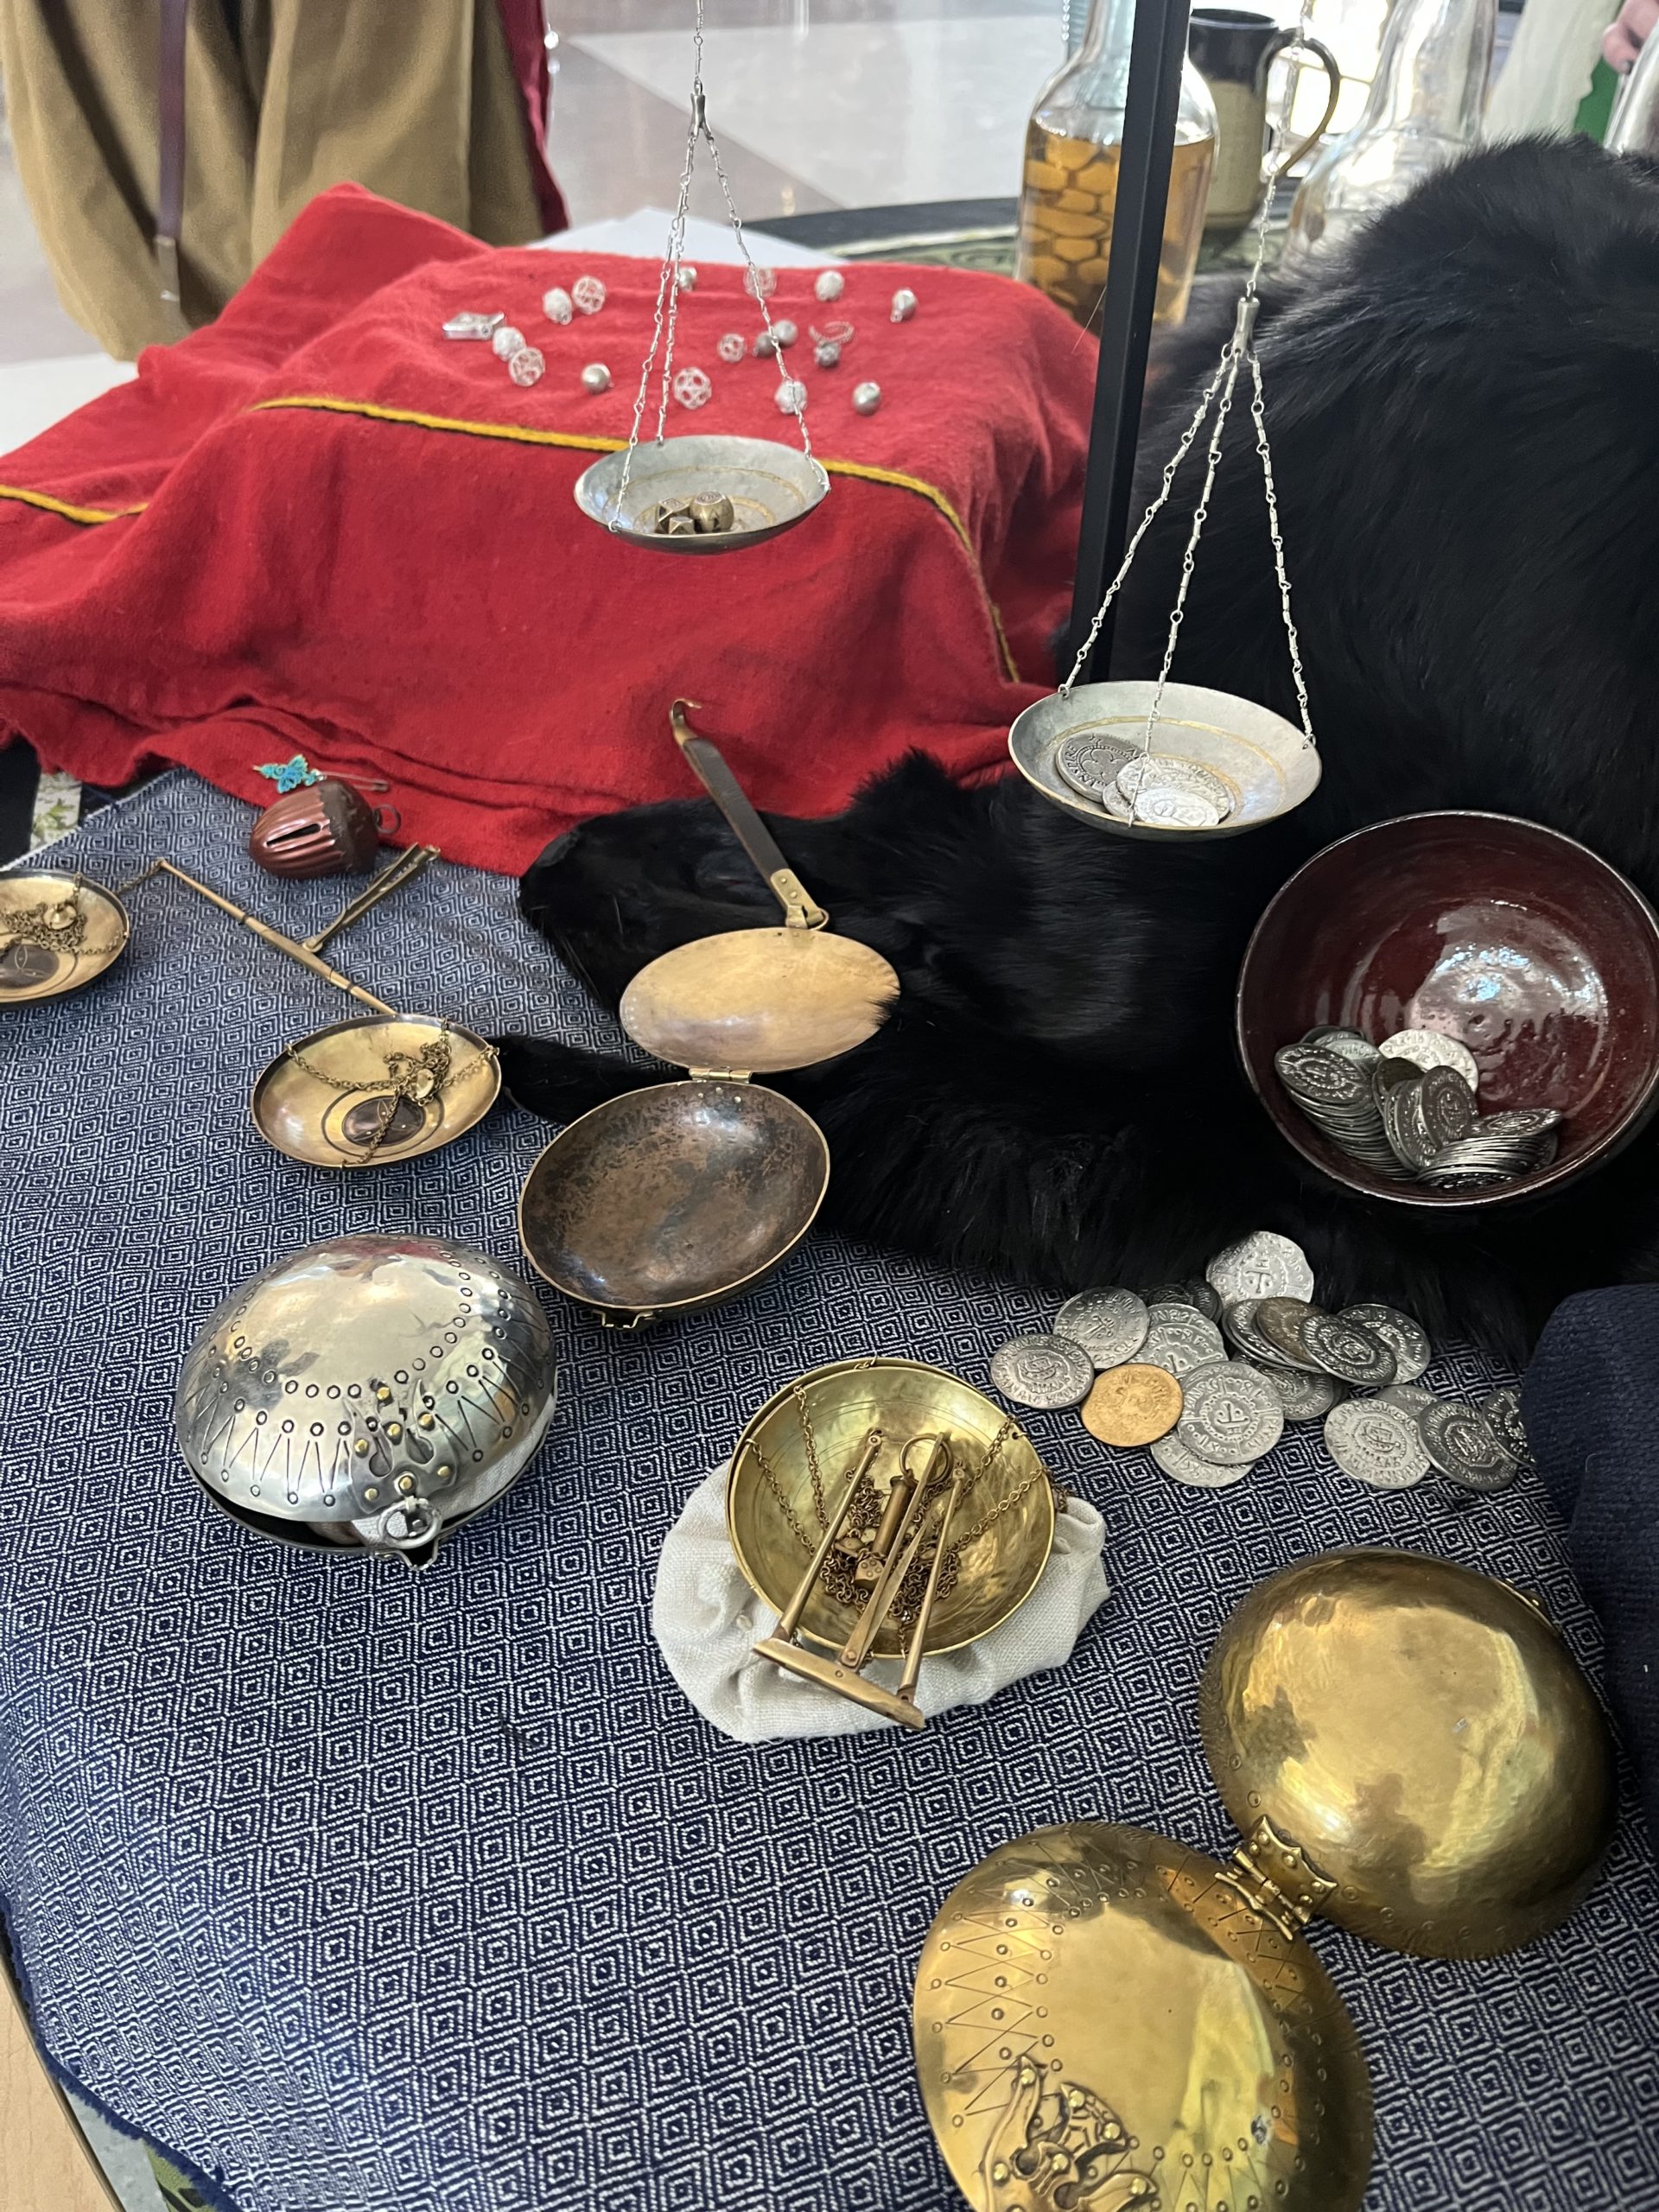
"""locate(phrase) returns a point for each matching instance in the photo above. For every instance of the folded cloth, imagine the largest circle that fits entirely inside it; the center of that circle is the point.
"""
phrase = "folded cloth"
(318, 526)
(1591, 1404)
(707, 1622)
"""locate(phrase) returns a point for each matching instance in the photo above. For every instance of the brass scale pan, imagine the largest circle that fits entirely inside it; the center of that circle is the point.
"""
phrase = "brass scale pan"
(1104, 2018)
(676, 1196)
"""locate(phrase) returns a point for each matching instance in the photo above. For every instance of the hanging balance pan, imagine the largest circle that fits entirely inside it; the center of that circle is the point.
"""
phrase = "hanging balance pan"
(767, 486)
(1217, 765)
(677, 1196)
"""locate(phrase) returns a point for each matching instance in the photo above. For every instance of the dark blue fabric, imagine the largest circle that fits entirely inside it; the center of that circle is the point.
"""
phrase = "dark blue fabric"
(1591, 1404)
(368, 1892)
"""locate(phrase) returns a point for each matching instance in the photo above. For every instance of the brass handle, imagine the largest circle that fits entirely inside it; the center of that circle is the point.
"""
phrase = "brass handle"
(801, 910)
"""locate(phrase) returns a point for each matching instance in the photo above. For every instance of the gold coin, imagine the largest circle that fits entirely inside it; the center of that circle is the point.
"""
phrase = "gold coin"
(1132, 1405)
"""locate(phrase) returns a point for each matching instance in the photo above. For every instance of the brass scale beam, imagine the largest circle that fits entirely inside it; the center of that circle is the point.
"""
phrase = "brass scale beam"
(308, 951)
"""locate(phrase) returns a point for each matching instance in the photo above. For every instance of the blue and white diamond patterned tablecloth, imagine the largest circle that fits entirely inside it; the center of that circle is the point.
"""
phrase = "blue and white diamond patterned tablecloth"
(362, 1891)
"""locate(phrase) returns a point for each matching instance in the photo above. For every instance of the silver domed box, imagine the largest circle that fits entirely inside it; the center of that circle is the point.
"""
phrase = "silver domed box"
(370, 1392)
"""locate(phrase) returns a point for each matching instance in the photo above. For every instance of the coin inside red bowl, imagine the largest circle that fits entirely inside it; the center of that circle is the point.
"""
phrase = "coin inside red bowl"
(1535, 954)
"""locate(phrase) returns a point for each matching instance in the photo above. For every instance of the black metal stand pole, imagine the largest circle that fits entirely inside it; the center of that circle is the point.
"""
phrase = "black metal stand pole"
(1157, 50)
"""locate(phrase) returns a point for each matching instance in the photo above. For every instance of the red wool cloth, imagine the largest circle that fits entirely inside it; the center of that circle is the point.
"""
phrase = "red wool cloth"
(318, 526)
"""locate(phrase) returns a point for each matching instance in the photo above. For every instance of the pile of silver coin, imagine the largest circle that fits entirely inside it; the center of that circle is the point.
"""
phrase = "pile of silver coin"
(1406, 1109)
(1290, 1361)
(1133, 786)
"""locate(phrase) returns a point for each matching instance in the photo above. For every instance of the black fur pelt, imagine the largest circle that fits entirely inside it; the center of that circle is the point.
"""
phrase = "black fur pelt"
(1465, 418)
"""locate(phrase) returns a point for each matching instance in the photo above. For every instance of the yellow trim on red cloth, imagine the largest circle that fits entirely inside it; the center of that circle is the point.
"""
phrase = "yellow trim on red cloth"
(52, 507)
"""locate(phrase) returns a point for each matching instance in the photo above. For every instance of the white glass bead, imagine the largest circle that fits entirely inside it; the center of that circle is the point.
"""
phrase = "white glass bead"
(761, 284)
(507, 342)
(556, 305)
(685, 278)
(731, 347)
(830, 284)
(526, 366)
(903, 305)
(791, 396)
(588, 293)
(867, 397)
(596, 377)
(692, 387)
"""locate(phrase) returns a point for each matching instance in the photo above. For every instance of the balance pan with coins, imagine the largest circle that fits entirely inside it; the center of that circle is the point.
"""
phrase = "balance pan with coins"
(884, 1510)
(677, 1196)
(701, 494)
(1104, 2017)
(1454, 1009)
(1157, 759)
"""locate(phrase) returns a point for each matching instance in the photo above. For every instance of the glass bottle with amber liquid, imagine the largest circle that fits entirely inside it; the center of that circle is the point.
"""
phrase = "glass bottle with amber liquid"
(1073, 144)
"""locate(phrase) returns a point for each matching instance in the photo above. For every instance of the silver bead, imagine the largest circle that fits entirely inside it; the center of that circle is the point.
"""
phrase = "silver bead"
(903, 305)
(867, 397)
(685, 278)
(766, 341)
(526, 366)
(507, 342)
(760, 283)
(588, 293)
(827, 353)
(828, 284)
(785, 331)
(731, 347)
(470, 324)
(596, 377)
(791, 396)
(556, 305)
(692, 387)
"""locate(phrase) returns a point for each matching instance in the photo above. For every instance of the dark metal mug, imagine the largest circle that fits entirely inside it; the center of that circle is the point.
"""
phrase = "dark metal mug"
(1233, 49)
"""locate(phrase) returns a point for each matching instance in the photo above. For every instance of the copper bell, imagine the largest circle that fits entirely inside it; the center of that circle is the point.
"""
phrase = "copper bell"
(322, 828)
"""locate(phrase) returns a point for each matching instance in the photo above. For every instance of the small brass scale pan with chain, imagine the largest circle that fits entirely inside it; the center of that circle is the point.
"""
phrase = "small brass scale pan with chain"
(1105, 2018)
(383, 1087)
(674, 1198)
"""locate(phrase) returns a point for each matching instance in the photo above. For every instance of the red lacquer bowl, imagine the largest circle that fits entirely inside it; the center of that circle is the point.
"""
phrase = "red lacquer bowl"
(1542, 958)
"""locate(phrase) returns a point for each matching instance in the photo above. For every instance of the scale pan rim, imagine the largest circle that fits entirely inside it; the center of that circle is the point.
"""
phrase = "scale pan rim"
(1286, 776)
(68, 882)
(597, 487)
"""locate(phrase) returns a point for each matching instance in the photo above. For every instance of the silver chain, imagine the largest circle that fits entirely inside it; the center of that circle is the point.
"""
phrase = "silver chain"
(668, 286)
(1239, 349)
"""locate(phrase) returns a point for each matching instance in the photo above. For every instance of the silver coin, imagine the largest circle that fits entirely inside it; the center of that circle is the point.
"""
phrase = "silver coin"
(1046, 1371)
(1428, 1048)
(1401, 1107)
(1279, 1322)
(1206, 1297)
(1503, 1412)
(1181, 1340)
(1409, 1397)
(1185, 1467)
(1352, 1354)
(1110, 1325)
(1172, 810)
(1461, 1444)
(1375, 1443)
(1346, 1044)
(1305, 1397)
(1261, 1265)
(1238, 1324)
(1312, 1074)
(1447, 1105)
(1168, 1293)
(1232, 1414)
(1089, 761)
(1404, 1338)
(1166, 771)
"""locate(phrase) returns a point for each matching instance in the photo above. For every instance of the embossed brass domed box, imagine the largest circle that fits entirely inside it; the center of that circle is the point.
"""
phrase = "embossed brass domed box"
(1105, 2018)
(372, 1392)
(678, 1196)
